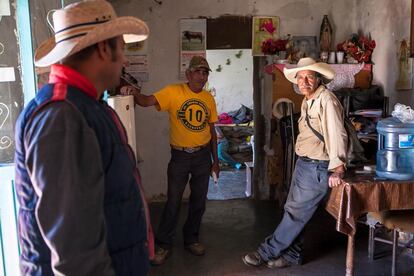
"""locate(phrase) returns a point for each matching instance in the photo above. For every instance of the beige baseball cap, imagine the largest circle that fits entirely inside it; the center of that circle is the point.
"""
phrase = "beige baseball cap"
(197, 62)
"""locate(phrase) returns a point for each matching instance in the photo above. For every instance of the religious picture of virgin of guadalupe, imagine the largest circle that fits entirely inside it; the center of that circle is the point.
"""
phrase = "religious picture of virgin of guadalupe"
(325, 36)
(404, 80)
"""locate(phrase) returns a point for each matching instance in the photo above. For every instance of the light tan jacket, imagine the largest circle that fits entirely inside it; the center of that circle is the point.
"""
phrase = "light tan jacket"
(325, 116)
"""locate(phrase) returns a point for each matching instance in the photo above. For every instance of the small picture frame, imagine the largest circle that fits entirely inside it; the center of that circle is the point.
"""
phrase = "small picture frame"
(263, 28)
(305, 46)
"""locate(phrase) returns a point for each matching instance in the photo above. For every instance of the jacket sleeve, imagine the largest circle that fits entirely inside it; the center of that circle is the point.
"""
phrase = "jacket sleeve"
(334, 133)
(63, 159)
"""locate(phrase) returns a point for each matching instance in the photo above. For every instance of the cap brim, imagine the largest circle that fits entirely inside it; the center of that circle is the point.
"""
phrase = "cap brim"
(132, 29)
(203, 67)
(322, 68)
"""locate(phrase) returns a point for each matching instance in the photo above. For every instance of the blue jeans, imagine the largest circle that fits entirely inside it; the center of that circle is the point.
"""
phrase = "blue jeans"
(308, 188)
(181, 166)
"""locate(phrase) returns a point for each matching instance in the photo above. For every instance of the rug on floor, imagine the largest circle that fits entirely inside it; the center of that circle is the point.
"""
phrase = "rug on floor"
(231, 185)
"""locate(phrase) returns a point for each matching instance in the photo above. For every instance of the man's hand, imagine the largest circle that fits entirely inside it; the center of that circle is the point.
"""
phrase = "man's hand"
(335, 179)
(139, 99)
(215, 168)
(129, 90)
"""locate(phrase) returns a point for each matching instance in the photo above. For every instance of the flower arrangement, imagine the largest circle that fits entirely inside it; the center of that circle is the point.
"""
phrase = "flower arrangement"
(358, 48)
(273, 47)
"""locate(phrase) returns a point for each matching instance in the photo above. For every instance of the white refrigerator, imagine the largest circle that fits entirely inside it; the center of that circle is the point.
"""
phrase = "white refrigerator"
(124, 107)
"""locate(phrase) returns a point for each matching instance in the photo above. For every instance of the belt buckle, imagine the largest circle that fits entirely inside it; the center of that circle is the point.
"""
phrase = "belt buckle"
(190, 150)
(307, 159)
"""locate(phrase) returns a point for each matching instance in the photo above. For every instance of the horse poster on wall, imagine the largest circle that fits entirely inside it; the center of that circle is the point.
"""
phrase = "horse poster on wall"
(192, 41)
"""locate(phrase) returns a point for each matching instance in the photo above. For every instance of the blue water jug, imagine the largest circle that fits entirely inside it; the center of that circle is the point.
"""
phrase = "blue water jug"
(395, 155)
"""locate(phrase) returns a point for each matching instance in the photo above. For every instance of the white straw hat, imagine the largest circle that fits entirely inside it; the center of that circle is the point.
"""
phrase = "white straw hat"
(308, 63)
(83, 24)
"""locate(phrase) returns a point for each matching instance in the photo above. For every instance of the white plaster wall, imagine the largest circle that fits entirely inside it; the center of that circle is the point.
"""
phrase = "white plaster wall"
(296, 17)
(233, 85)
(388, 22)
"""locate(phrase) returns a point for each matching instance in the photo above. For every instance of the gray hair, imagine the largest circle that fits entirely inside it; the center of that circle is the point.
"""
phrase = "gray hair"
(321, 79)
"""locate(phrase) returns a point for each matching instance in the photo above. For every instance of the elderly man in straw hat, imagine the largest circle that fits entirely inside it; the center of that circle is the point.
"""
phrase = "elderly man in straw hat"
(321, 146)
(193, 140)
(82, 208)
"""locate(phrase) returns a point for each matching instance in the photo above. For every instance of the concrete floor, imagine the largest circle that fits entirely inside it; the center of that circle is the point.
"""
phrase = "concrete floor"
(233, 228)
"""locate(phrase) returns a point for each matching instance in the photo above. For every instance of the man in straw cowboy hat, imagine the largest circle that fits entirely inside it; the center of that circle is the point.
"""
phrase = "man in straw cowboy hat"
(321, 146)
(82, 208)
(193, 140)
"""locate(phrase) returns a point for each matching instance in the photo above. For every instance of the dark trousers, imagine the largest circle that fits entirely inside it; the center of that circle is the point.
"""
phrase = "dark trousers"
(181, 166)
(308, 189)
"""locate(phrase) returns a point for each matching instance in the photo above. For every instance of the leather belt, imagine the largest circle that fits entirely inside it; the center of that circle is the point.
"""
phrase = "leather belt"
(310, 160)
(190, 149)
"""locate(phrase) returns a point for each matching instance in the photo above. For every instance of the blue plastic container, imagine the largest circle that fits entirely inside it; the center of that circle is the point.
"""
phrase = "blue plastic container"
(395, 155)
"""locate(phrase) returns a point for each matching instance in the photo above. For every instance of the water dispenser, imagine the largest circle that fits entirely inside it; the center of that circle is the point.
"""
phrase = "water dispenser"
(395, 155)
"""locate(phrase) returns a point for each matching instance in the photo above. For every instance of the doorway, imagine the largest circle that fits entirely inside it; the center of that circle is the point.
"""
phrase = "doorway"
(231, 84)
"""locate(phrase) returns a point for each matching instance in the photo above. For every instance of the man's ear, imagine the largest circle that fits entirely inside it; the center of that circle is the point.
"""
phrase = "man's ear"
(104, 52)
(187, 72)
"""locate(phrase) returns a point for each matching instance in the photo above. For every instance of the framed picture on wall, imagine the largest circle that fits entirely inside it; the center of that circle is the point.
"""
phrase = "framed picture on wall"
(305, 46)
(263, 28)
(405, 66)
(192, 41)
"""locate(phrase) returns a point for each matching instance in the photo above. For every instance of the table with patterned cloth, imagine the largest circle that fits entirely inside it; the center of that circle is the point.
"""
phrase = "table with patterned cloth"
(362, 194)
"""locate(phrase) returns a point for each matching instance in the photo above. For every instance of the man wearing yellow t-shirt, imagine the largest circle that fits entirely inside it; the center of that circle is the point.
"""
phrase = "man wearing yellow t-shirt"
(193, 140)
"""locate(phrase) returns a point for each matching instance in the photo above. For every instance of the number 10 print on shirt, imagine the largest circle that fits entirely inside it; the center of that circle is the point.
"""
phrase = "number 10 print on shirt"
(194, 115)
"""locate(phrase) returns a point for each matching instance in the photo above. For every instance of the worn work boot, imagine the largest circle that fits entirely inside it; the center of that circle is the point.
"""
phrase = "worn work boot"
(161, 254)
(196, 249)
(278, 263)
(253, 259)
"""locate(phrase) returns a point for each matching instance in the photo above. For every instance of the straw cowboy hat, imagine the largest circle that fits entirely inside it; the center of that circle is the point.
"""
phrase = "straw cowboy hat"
(308, 63)
(83, 24)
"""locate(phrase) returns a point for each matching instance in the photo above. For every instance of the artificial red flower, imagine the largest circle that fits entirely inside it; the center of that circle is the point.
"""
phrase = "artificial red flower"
(273, 47)
(268, 26)
(358, 47)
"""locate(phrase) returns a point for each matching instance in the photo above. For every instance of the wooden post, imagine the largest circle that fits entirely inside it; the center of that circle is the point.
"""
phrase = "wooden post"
(350, 255)
(259, 135)
(394, 252)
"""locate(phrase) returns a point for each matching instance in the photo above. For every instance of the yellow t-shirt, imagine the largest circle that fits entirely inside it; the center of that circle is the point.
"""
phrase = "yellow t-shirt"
(190, 114)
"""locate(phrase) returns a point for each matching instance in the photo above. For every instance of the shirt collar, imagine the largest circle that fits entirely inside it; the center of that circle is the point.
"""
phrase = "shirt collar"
(64, 74)
(317, 93)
